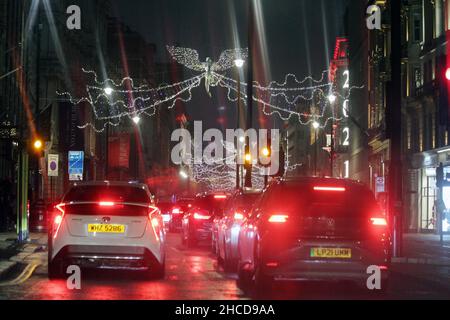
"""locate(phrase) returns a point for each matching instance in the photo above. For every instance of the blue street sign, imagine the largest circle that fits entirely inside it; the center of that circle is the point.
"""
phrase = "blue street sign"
(76, 160)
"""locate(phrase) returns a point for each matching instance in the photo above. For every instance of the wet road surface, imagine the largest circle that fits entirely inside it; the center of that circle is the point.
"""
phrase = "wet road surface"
(194, 274)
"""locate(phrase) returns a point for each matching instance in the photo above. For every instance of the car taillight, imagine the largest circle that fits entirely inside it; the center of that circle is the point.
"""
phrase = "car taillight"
(278, 218)
(379, 221)
(57, 221)
(106, 204)
(155, 221)
(326, 188)
(238, 216)
(199, 216)
(220, 196)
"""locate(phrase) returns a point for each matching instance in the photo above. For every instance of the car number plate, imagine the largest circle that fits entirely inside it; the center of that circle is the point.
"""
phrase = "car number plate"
(343, 253)
(106, 228)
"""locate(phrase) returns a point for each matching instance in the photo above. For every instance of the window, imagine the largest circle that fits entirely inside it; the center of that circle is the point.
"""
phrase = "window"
(417, 27)
(417, 77)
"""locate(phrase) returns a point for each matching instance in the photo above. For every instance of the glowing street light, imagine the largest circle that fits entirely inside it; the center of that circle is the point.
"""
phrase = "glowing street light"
(136, 119)
(331, 98)
(239, 63)
(315, 125)
(37, 144)
(183, 174)
(108, 91)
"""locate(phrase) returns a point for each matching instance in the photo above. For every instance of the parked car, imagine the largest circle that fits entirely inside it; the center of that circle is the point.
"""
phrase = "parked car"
(229, 225)
(107, 225)
(197, 221)
(314, 229)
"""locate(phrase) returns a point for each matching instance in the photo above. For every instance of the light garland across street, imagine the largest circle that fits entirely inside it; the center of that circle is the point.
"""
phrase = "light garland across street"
(113, 100)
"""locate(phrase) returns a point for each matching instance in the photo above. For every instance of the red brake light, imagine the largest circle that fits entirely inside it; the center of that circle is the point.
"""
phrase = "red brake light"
(238, 216)
(220, 196)
(106, 203)
(336, 189)
(278, 218)
(379, 221)
(272, 264)
(58, 219)
(155, 221)
(199, 216)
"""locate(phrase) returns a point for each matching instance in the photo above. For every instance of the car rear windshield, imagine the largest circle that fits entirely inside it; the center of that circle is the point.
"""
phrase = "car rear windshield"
(107, 193)
(210, 203)
(246, 200)
(303, 199)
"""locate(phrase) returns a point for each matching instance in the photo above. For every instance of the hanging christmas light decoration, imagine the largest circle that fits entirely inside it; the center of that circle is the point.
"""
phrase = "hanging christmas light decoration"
(190, 59)
(111, 101)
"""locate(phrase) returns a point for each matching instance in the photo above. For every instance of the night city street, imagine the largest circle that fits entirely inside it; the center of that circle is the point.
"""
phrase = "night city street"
(253, 153)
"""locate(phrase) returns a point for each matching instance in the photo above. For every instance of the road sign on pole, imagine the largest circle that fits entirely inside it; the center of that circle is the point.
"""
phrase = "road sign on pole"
(76, 159)
(52, 165)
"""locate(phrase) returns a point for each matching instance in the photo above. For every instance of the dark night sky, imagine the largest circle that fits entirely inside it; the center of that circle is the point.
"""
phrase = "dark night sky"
(299, 35)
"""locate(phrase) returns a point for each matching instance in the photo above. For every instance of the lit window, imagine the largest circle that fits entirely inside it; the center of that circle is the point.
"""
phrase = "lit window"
(346, 169)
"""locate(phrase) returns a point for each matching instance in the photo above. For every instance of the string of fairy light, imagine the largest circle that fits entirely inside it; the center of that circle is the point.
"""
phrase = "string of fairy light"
(112, 101)
(220, 174)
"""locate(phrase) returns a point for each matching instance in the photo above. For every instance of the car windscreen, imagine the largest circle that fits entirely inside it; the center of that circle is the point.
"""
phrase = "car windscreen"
(246, 201)
(210, 203)
(305, 199)
(107, 193)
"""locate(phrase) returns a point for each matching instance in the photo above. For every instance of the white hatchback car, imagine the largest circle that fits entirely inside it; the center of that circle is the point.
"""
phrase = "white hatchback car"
(107, 225)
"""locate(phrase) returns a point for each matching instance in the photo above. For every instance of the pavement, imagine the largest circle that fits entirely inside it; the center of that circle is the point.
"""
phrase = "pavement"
(193, 274)
(12, 253)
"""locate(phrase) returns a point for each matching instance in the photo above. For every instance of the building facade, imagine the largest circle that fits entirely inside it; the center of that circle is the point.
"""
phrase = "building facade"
(425, 109)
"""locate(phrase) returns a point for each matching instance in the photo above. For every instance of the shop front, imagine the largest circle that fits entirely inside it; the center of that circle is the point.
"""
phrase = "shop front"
(422, 195)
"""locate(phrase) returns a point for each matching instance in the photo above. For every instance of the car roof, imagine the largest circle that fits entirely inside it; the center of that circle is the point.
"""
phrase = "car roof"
(330, 180)
(250, 191)
(107, 183)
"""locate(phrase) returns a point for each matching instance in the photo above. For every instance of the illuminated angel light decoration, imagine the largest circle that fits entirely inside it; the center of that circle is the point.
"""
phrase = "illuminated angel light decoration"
(190, 59)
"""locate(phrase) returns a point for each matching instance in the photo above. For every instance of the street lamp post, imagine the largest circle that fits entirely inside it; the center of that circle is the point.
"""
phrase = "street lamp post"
(316, 127)
(249, 124)
(108, 91)
(239, 63)
(332, 99)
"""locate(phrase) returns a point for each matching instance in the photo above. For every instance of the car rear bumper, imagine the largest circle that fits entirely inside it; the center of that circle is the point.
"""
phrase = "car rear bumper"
(201, 234)
(297, 262)
(312, 270)
(108, 257)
